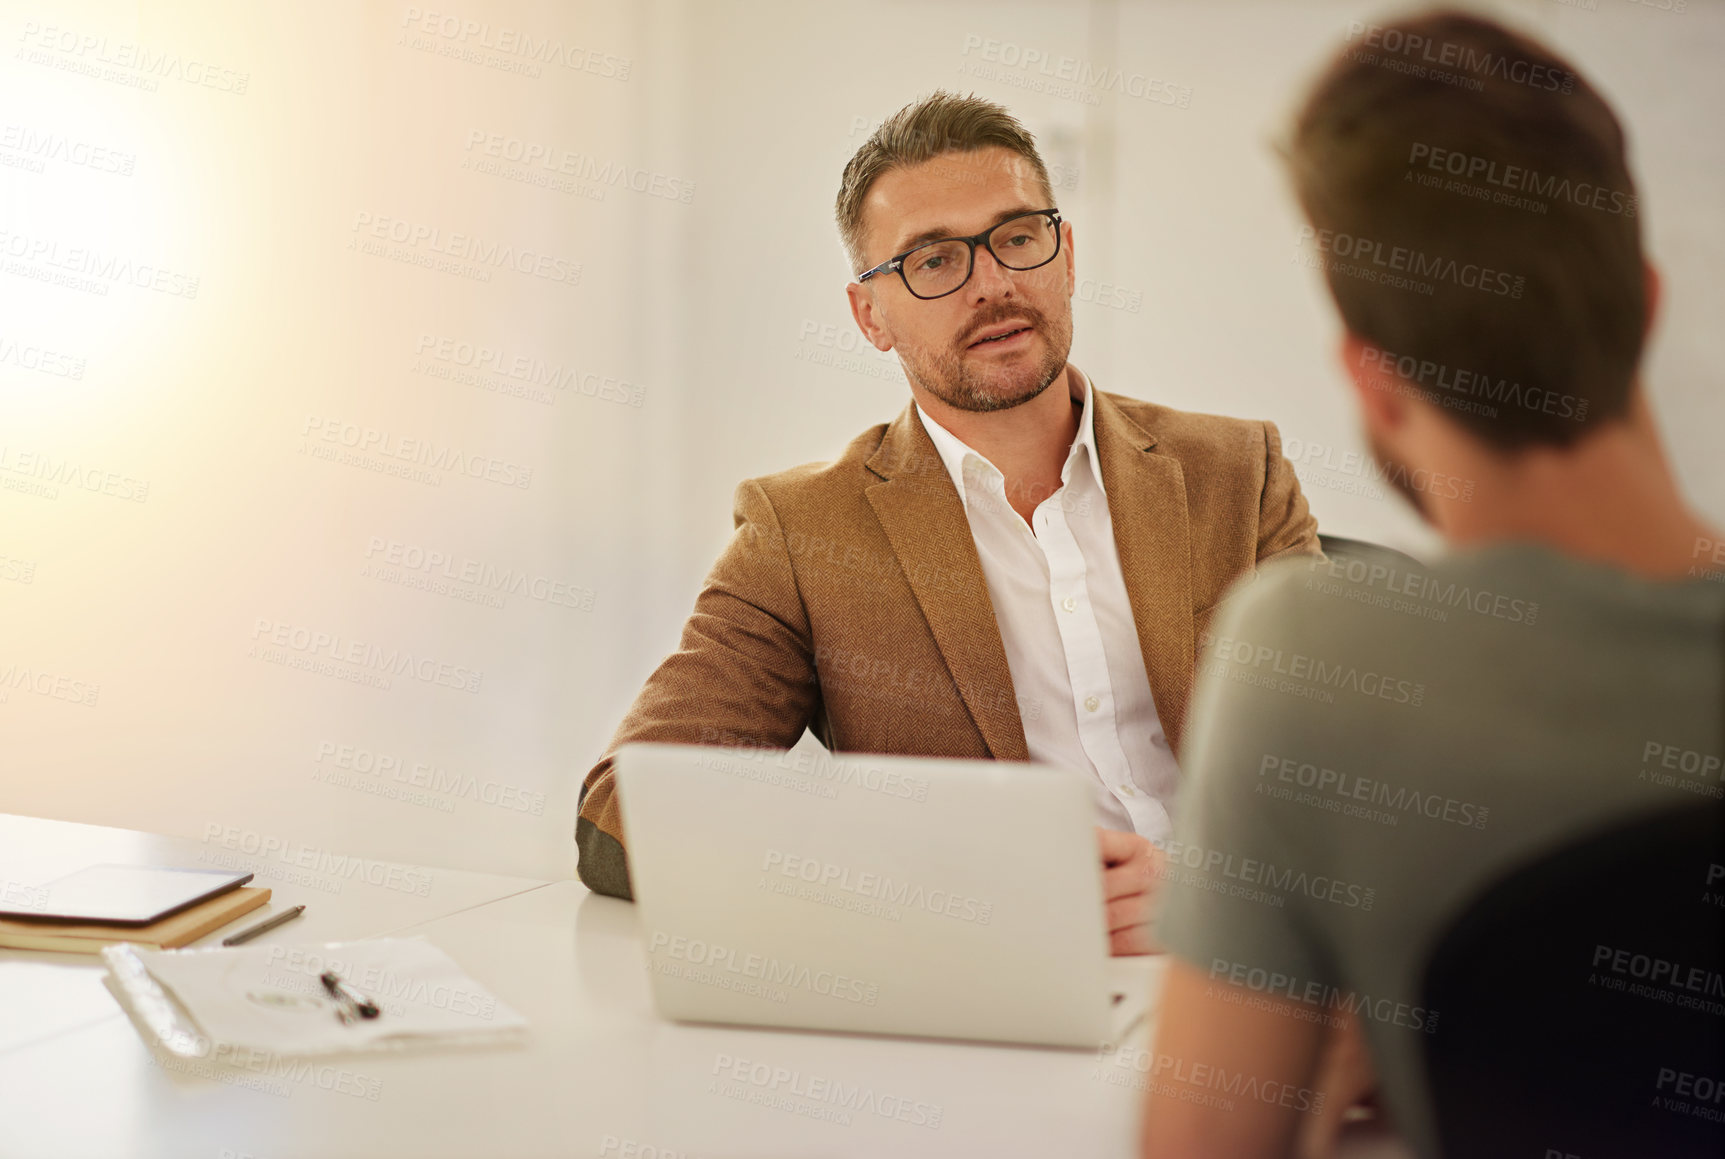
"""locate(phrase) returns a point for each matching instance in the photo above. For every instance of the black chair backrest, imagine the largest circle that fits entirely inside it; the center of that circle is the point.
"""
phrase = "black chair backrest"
(1580, 1000)
(1340, 547)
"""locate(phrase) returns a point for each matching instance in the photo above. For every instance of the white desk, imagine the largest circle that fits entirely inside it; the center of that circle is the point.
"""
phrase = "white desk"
(598, 1074)
(41, 994)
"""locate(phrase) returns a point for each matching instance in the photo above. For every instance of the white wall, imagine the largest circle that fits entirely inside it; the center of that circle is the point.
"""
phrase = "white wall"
(717, 312)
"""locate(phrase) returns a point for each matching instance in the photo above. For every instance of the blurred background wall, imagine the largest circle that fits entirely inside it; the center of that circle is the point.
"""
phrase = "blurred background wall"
(374, 377)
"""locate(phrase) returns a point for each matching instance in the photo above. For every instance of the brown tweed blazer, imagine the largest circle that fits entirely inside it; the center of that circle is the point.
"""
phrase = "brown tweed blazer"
(851, 599)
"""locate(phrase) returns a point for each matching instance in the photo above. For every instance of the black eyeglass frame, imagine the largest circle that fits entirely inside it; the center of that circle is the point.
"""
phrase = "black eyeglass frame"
(896, 264)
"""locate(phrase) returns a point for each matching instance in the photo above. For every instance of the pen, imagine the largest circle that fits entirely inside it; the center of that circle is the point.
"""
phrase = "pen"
(286, 915)
(351, 1000)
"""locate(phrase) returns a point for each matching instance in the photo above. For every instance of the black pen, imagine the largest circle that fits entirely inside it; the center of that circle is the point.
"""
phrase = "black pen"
(351, 1002)
(286, 915)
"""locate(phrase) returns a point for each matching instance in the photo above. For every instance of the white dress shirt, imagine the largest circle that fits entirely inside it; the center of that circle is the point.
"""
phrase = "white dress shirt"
(1065, 620)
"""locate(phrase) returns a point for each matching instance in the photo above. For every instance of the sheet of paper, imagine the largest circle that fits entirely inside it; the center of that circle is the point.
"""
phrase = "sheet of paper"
(270, 997)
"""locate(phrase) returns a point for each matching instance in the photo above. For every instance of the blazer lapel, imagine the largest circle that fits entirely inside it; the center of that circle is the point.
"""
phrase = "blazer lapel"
(923, 517)
(1147, 504)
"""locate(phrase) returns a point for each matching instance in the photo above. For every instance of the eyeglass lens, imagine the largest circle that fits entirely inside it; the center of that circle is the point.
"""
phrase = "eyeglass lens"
(941, 267)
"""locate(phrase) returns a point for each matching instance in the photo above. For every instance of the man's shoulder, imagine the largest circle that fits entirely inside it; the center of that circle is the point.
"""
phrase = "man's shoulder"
(1193, 434)
(824, 481)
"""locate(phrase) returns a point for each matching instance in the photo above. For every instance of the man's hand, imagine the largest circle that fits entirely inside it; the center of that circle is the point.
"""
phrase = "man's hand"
(1130, 869)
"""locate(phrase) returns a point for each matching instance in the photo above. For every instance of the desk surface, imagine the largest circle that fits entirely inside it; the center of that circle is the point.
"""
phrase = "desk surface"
(597, 1074)
(42, 994)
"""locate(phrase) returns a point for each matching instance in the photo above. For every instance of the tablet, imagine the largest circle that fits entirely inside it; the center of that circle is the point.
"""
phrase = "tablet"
(126, 895)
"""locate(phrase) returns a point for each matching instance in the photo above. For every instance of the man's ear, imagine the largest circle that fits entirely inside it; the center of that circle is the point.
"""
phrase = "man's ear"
(1374, 379)
(1655, 290)
(1071, 260)
(868, 317)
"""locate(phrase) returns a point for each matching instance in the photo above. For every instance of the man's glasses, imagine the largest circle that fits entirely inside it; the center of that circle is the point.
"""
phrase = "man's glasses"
(943, 267)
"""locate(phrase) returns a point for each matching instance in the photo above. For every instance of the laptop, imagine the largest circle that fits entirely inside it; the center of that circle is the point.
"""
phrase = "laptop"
(876, 894)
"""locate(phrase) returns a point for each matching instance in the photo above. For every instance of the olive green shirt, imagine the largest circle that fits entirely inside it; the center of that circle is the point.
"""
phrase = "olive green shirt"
(1369, 749)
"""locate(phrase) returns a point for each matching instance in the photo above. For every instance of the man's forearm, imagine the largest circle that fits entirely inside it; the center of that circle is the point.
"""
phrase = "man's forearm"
(743, 673)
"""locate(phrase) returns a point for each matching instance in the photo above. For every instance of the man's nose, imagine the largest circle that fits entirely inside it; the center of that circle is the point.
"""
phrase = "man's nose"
(989, 279)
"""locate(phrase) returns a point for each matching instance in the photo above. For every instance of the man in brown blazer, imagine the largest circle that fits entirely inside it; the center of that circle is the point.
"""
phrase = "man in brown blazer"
(1017, 567)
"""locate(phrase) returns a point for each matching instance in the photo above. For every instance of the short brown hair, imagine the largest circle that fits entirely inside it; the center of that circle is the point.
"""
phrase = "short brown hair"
(921, 131)
(1445, 144)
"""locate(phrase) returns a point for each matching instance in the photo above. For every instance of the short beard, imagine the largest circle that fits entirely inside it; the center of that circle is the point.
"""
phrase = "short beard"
(947, 376)
(1399, 476)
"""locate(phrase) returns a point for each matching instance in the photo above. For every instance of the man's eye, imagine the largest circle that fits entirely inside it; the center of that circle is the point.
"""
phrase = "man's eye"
(1018, 241)
(931, 263)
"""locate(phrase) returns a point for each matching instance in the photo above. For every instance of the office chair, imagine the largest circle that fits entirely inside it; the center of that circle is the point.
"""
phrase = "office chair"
(1580, 1003)
(1340, 547)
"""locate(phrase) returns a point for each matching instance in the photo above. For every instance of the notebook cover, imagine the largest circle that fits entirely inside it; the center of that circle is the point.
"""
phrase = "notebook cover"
(170, 933)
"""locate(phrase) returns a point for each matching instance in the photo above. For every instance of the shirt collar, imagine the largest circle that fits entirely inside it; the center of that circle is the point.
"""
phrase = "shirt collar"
(956, 456)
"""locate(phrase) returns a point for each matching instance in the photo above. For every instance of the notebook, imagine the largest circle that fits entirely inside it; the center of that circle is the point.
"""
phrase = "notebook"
(171, 932)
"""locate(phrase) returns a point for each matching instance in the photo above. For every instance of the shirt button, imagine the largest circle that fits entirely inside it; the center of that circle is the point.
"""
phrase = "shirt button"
(1091, 703)
(1070, 603)
(1127, 790)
